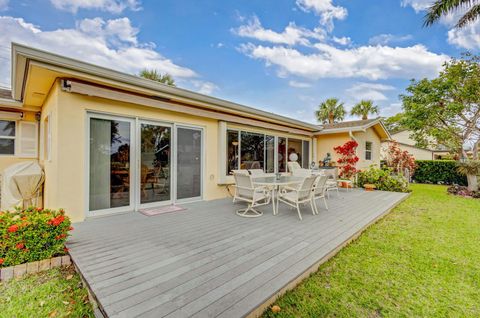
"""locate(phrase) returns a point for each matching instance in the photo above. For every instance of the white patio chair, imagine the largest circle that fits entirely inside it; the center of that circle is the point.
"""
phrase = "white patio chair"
(241, 171)
(303, 173)
(257, 172)
(320, 191)
(296, 196)
(292, 166)
(246, 191)
(332, 185)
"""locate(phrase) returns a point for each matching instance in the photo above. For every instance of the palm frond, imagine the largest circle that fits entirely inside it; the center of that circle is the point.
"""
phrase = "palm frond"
(443, 7)
(471, 16)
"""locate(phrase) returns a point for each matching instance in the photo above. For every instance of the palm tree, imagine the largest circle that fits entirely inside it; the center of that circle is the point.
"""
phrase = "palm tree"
(443, 7)
(364, 108)
(157, 76)
(330, 111)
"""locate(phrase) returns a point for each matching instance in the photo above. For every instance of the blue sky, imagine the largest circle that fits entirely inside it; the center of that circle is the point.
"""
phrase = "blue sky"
(280, 56)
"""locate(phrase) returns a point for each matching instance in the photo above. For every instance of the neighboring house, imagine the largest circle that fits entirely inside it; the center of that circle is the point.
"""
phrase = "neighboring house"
(369, 134)
(405, 142)
(112, 142)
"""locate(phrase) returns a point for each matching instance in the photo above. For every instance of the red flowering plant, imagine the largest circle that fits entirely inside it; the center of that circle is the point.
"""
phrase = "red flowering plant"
(348, 159)
(32, 234)
(399, 160)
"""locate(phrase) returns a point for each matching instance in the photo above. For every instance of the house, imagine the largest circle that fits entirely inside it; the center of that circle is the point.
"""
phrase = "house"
(112, 142)
(369, 134)
(405, 142)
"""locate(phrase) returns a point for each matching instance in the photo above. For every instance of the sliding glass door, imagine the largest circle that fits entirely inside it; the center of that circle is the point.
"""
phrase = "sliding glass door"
(110, 164)
(155, 164)
(189, 153)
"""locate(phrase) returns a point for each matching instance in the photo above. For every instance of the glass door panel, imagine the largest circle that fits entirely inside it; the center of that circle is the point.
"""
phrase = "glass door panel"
(189, 163)
(155, 163)
(110, 164)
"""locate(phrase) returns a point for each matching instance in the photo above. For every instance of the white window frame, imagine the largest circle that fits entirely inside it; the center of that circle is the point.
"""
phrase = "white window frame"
(14, 138)
(369, 151)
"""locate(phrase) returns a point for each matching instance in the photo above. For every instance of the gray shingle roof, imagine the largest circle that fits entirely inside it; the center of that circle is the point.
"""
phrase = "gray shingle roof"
(349, 124)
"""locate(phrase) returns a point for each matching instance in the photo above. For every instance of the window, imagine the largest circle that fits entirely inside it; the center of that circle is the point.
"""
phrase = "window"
(269, 154)
(306, 155)
(252, 147)
(368, 150)
(7, 137)
(232, 150)
(282, 154)
(295, 147)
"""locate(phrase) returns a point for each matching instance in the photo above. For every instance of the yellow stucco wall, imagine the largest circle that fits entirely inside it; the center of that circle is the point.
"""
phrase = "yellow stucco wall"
(326, 143)
(6, 161)
(67, 171)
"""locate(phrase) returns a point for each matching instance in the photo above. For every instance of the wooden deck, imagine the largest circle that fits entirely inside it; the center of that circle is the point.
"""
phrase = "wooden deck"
(207, 261)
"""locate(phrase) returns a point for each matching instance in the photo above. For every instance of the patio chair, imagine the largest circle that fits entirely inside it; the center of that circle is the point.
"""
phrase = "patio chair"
(246, 191)
(241, 171)
(292, 166)
(332, 185)
(301, 173)
(296, 196)
(256, 172)
(320, 191)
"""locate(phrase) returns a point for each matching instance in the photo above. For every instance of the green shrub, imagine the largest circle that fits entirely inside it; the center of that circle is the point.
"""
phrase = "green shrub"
(383, 179)
(31, 235)
(438, 171)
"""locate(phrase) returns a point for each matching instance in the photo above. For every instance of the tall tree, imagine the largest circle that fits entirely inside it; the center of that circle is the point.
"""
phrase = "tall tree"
(364, 108)
(330, 111)
(154, 75)
(394, 123)
(442, 8)
(447, 109)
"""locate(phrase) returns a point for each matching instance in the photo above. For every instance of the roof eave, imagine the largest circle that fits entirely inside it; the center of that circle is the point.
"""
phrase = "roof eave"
(21, 54)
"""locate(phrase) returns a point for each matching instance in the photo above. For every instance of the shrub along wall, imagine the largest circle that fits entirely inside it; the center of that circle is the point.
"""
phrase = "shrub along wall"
(438, 171)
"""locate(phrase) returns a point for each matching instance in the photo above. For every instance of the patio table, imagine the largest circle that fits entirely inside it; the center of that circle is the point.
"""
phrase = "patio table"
(274, 183)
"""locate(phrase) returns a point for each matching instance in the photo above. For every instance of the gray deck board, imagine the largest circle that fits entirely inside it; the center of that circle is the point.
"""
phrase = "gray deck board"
(208, 262)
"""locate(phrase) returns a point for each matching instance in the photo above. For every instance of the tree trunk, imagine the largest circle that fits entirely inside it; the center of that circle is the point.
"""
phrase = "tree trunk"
(365, 117)
(472, 182)
(331, 118)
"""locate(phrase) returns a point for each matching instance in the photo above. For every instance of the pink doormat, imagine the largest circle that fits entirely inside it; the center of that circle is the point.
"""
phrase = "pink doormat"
(161, 210)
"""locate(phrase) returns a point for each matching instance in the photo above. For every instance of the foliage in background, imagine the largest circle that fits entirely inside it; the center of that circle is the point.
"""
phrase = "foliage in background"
(394, 123)
(54, 293)
(383, 179)
(348, 159)
(398, 160)
(364, 108)
(444, 8)
(421, 260)
(31, 235)
(330, 111)
(438, 172)
(158, 77)
(447, 108)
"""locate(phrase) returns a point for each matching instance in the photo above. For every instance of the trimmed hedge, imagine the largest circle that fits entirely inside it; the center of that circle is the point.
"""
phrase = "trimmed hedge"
(32, 235)
(438, 171)
(383, 179)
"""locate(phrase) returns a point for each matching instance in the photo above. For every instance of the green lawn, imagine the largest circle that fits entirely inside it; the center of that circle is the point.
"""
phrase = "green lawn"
(53, 293)
(422, 260)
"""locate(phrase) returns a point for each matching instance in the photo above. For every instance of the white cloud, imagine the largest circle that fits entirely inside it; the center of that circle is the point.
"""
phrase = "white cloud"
(384, 39)
(325, 9)
(372, 91)
(371, 62)
(109, 43)
(392, 109)
(112, 6)
(417, 5)
(345, 40)
(205, 88)
(467, 37)
(292, 34)
(297, 84)
(3, 5)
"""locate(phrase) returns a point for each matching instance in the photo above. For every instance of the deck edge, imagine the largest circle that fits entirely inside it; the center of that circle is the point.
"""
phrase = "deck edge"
(257, 312)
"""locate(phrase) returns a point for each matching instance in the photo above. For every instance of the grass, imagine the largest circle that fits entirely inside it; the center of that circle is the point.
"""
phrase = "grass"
(54, 293)
(421, 260)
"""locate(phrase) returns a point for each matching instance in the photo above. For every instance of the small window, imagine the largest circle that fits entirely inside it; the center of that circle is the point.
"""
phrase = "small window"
(7, 137)
(368, 150)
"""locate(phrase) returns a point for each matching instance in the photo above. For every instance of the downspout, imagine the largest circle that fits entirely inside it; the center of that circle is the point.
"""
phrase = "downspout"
(350, 133)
